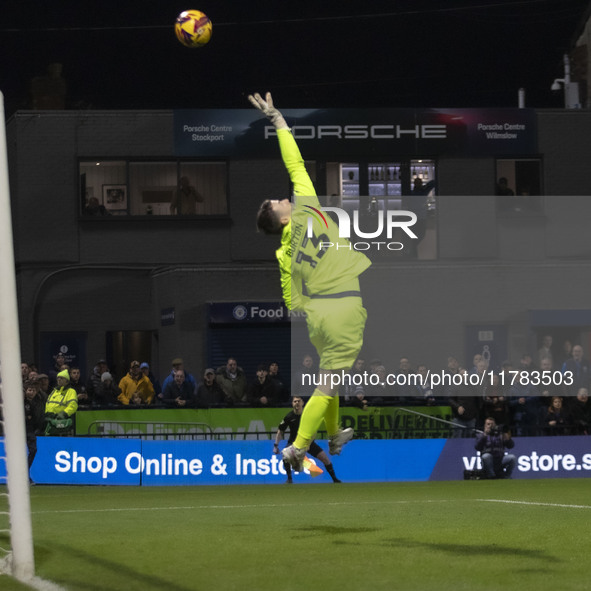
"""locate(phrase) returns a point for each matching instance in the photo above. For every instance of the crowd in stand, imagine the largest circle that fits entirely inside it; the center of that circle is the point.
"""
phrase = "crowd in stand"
(531, 397)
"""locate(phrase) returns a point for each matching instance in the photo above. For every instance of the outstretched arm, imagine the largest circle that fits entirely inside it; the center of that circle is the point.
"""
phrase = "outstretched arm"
(290, 153)
(265, 106)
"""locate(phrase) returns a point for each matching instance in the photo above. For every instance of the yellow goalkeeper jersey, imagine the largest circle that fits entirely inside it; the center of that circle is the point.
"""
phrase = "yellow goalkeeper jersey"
(310, 268)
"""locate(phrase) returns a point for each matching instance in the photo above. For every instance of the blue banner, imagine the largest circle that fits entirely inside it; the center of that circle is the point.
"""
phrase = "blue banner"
(79, 460)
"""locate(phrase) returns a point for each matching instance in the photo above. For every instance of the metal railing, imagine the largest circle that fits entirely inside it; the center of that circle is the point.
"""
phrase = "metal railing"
(151, 430)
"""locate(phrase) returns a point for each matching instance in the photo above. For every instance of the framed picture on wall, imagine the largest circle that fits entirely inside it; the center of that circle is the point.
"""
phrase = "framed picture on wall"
(115, 197)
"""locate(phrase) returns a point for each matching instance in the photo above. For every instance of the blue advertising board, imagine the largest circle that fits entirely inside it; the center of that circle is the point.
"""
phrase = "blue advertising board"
(80, 460)
(342, 133)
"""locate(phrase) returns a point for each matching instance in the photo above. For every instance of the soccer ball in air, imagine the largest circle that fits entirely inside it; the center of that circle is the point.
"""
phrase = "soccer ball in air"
(193, 28)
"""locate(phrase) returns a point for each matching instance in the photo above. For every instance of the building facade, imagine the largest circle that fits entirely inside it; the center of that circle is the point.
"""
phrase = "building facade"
(492, 274)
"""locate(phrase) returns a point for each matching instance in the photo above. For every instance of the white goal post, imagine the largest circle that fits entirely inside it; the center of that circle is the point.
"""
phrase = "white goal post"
(21, 561)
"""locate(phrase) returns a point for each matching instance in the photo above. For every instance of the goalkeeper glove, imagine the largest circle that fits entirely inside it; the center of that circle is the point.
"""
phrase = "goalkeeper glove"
(275, 449)
(265, 105)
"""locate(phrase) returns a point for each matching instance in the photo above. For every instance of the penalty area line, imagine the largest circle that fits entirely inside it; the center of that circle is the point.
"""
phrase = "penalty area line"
(535, 503)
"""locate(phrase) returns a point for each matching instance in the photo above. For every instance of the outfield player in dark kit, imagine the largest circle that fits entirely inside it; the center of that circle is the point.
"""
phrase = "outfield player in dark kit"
(322, 282)
(291, 421)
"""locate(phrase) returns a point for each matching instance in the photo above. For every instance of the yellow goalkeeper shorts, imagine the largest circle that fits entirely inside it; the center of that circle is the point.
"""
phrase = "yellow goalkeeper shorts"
(335, 326)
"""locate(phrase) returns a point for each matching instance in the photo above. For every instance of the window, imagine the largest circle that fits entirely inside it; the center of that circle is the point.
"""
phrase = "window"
(519, 185)
(357, 183)
(165, 188)
(373, 187)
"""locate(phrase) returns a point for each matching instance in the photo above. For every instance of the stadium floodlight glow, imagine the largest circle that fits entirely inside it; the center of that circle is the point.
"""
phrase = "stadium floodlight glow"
(22, 563)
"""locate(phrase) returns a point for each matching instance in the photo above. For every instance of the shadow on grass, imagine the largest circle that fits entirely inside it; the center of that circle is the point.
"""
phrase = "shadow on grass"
(466, 550)
(331, 530)
(125, 575)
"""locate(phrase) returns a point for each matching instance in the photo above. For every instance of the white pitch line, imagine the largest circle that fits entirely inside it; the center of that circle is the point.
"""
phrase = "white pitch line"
(266, 506)
(535, 504)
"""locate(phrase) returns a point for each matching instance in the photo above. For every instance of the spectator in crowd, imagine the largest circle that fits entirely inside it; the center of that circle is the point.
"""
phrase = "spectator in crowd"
(465, 407)
(423, 386)
(43, 379)
(374, 364)
(145, 368)
(280, 383)
(475, 361)
(556, 421)
(580, 369)
(545, 350)
(566, 352)
(232, 381)
(34, 418)
(506, 367)
(496, 405)
(59, 362)
(136, 389)
(291, 421)
(209, 392)
(492, 444)
(94, 381)
(25, 370)
(263, 390)
(443, 391)
(379, 391)
(299, 385)
(107, 393)
(524, 404)
(355, 391)
(579, 413)
(358, 366)
(177, 363)
(544, 392)
(526, 363)
(405, 388)
(78, 385)
(481, 371)
(179, 393)
(62, 403)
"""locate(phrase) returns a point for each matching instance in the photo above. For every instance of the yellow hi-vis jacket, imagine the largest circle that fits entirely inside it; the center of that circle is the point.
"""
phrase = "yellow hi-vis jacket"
(62, 400)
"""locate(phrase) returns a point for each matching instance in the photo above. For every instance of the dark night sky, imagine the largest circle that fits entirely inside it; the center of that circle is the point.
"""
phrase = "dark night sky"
(406, 53)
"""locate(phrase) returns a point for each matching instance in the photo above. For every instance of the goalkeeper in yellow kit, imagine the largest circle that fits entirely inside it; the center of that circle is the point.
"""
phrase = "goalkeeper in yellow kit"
(320, 276)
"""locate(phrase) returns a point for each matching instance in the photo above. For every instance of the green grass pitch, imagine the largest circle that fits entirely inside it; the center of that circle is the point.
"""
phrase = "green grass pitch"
(403, 536)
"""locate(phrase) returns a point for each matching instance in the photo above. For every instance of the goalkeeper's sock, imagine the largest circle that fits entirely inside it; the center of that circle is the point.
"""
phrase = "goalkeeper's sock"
(331, 417)
(312, 418)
